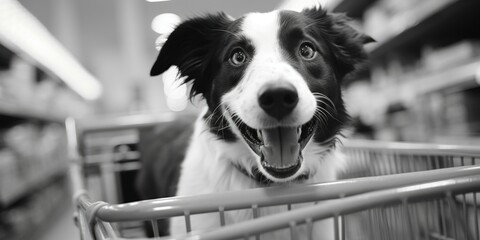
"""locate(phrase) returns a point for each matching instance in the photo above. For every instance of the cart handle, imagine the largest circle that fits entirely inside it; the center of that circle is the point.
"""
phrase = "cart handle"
(346, 205)
(412, 148)
(260, 197)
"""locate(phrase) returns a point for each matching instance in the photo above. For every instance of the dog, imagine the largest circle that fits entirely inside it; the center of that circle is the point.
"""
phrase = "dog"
(274, 108)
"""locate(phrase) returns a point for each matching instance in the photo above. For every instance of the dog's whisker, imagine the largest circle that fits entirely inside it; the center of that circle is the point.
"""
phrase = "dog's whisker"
(324, 112)
(323, 96)
(222, 115)
(319, 96)
(209, 119)
(223, 128)
(237, 121)
(227, 111)
(320, 115)
(327, 112)
(327, 105)
(234, 116)
(321, 118)
(326, 108)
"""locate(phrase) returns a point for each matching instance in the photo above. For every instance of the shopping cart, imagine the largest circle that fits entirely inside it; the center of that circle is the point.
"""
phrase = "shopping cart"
(389, 191)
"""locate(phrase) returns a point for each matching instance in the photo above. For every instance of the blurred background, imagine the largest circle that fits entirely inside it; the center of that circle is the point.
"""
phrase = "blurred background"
(89, 58)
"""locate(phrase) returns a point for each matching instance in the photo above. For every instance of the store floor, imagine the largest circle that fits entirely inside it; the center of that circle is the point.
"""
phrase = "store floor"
(61, 227)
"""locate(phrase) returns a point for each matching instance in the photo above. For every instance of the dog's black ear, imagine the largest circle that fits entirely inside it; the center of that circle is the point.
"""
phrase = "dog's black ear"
(345, 42)
(187, 46)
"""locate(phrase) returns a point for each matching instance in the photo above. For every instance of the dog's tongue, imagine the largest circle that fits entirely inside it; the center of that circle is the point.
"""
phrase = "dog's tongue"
(281, 147)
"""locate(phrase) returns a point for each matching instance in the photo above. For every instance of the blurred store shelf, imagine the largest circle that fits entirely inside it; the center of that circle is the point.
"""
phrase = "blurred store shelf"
(40, 85)
(424, 74)
(424, 22)
(33, 216)
(409, 86)
(15, 189)
(15, 110)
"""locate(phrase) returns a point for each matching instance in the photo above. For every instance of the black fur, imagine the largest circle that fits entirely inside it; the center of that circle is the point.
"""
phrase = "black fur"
(194, 47)
(188, 48)
(343, 40)
(340, 49)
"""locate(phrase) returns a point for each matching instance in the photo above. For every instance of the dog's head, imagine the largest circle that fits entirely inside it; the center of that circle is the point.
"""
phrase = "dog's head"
(271, 80)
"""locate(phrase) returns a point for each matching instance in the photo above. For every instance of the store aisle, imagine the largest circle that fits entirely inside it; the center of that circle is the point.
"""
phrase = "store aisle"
(62, 227)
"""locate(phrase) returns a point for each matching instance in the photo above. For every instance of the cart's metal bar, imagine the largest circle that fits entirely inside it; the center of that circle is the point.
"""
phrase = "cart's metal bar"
(84, 227)
(456, 219)
(309, 223)
(256, 214)
(336, 227)
(105, 231)
(221, 214)
(346, 205)
(175, 206)
(109, 229)
(475, 212)
(128, 122)
(444, 218)
(293, 231)
(414, 148)
(188, 222)
(343, 226)
(156, 234)
(100, 233)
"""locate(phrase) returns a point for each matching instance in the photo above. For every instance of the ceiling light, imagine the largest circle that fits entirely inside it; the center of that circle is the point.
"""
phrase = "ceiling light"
(26, 36)
(165, 23)
(158, 0)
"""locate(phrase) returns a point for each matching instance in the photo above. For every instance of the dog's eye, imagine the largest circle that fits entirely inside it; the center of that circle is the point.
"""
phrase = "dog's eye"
(238, 57)
(307, 51)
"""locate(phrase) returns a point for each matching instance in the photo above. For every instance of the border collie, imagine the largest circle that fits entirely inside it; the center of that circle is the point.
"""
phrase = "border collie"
(274, 111)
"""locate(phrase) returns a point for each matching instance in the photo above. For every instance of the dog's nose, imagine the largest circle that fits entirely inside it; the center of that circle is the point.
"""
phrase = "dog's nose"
(278, 100)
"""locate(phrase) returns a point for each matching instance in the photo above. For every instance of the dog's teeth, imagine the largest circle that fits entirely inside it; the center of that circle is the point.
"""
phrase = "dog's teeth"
(299, 131)
(259, 134)
(265, 164)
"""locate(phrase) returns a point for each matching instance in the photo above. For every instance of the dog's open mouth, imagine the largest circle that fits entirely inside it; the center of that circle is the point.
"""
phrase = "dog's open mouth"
(280, 148)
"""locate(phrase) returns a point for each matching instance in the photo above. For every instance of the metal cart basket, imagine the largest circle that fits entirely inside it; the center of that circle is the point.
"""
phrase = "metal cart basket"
(389, 191)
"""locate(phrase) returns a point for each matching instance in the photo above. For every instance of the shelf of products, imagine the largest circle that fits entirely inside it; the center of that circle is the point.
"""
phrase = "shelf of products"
(410, 85)
(41, 84)
(31, 216)
(416, 26)
(11, 109)
(9, 193)
(424, 70)
(30, 156)
(406, 27)
(28, 92)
